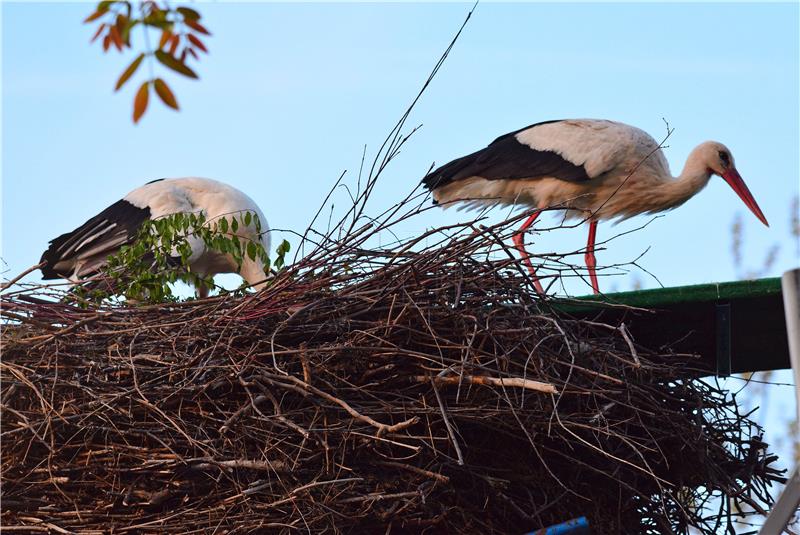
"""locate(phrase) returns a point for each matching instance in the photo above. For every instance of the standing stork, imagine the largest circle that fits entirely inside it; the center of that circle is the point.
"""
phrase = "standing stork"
(594, 169)
(84, 252)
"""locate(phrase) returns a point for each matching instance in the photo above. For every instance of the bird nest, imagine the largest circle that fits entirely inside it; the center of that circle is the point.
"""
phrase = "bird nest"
(405, 388)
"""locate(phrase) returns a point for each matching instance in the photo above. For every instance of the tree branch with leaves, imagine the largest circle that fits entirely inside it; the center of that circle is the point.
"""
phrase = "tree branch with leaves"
(181, 35)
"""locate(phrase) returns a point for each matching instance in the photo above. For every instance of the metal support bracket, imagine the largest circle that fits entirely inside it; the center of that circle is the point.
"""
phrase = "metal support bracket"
(723, 339)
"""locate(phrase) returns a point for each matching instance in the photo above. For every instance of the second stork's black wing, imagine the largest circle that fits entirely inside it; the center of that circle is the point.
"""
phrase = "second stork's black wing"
(84, 250)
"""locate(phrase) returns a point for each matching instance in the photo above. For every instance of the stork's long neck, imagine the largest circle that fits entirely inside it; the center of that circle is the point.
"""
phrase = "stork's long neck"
(694, 177)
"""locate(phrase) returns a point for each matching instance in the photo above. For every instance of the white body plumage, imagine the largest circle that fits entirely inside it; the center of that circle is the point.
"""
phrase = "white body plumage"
(594, 169)
(84, 251)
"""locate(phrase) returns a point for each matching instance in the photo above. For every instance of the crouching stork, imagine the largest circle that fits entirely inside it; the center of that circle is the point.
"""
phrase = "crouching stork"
(594, 169)
(84, 252)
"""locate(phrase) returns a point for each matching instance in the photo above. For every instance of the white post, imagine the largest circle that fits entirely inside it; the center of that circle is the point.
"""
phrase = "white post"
(786, 506)
(790, 285)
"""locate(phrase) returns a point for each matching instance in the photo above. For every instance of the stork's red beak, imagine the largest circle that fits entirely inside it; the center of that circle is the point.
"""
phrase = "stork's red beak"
(734, 179)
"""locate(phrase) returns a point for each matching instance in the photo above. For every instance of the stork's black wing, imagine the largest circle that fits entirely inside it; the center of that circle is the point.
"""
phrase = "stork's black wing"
(507, 158)
(84, 250)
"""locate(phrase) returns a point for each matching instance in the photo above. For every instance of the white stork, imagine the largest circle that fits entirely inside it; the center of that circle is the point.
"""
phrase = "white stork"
(83, 252)
(594, 169)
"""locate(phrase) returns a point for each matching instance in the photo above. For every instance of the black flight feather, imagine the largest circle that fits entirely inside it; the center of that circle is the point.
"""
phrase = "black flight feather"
(120, 221)
(507, 159)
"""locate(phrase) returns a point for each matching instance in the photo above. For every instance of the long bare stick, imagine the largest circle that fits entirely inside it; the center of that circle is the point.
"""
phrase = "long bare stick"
(515, 382)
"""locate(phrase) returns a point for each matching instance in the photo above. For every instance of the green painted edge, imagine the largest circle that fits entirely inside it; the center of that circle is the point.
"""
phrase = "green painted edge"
(660, 297)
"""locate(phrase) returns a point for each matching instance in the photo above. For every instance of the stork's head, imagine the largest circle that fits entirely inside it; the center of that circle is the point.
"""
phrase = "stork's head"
(718, 159)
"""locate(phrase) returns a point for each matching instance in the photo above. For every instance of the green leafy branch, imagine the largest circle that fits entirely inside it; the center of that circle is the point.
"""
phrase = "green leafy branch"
(146, 270)
(181, 33)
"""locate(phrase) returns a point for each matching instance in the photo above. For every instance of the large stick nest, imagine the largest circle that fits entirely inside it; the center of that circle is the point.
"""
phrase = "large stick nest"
(420, 386)
(371, 390)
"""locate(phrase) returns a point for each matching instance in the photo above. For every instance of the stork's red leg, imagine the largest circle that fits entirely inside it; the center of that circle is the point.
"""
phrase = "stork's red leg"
(519, 243)
(591, 263)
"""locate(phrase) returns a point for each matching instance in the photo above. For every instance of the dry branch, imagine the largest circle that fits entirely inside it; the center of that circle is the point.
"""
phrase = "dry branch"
(514, 382)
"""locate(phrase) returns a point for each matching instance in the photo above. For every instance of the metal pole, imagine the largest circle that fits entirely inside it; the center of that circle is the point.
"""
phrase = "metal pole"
(790, 285)
(786, 506)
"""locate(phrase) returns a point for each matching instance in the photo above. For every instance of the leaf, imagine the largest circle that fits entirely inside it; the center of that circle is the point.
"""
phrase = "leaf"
(116, 38)
(188, 13)
(196, 26)
(223, 225)
(234, 224)
(106, 42)
(122, 24)
(251, 250)
(157, 18)
(166, 35)
(169, 61)
(165, 93)
(98, 32)
(140, 102)
(102, 9)
(197, 42)
(125, 76)
(126, 32)
(248, 217)
(173, 46)
(94, 16)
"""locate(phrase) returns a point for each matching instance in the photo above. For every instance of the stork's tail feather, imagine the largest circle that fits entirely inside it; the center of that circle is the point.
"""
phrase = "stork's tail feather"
(446, 173)
(81, 252)
(51, 257)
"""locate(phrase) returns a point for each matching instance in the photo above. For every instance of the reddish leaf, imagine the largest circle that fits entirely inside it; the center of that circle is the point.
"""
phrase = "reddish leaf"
(166, 35)
(129, 71)
(99, 31)
(173, 63)
(164, 92)
(140, 102)
(196, 26)
(122, 21)
(106, 42)
(197, 42)
(188, 13)
(192, 52)
(183, 55)
(96, 15)
(174, 44)
(116, 38)
(123, 27)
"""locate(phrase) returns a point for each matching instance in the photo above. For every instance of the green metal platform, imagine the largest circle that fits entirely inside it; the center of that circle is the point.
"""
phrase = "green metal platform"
(733, 326)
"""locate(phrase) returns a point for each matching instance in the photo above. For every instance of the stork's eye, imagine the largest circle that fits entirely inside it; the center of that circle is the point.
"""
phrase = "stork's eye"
(724, 158)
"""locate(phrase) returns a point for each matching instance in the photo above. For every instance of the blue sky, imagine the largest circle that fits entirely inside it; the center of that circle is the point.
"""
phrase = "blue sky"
(291, 93)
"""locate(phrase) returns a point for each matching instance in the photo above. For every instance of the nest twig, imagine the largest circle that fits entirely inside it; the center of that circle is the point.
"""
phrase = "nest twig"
(400, 388)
